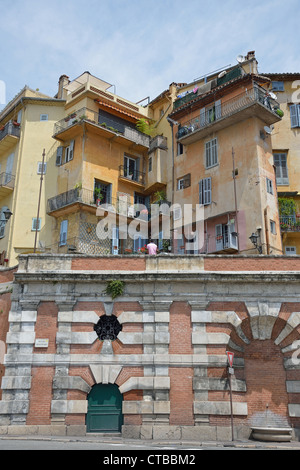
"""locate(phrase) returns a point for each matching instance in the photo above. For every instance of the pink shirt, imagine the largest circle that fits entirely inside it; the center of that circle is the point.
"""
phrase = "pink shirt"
(152, 249)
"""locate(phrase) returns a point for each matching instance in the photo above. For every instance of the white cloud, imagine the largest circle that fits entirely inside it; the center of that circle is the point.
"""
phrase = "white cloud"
(141, 46)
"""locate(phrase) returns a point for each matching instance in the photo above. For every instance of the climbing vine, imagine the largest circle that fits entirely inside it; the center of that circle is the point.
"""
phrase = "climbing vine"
(114, 288)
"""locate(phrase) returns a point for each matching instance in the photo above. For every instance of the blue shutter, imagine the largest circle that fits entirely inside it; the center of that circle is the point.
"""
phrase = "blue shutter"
(63, 233)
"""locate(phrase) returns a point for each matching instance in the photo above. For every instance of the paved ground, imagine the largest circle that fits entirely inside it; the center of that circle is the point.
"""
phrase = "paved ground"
(116, 444)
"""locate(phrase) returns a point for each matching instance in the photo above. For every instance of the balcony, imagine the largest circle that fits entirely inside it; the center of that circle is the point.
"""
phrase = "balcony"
(111, 128)
(9, 136)
(290, 223)
(219, 115)
(135, 177)
(7, 183)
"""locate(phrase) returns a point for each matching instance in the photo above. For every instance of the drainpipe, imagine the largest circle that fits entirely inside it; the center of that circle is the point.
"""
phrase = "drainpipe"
(267, 231)
(172, 124)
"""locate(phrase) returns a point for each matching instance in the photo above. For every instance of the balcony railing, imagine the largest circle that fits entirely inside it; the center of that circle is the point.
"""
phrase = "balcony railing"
(217, 111)
(7, 180)
(120, 205)
(290, 223)
(135, 175)
(111, 125)
(10, 128)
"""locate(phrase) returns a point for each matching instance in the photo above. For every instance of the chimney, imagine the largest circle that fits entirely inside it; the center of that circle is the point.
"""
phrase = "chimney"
(62, 82)
(251, 56)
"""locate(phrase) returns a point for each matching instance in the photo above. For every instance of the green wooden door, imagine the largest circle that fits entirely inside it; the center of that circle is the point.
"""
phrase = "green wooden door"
(104, 409)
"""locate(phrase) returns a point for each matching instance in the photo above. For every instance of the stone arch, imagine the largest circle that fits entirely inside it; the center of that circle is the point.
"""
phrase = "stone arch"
(267, 353)
(104, 373)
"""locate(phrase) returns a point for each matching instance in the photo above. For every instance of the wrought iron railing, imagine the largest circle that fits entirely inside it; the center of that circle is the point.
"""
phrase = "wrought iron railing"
(133, 175)
(219, 110)
(110, 124)
(10, 128)
(290, 223)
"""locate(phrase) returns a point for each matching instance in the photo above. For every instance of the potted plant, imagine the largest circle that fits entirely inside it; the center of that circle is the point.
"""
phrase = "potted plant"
(97, 196)
(160, 197)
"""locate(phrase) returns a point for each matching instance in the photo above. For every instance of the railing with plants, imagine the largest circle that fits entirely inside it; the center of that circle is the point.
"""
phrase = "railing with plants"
(289, 218)
(110, 124)
(219, 110)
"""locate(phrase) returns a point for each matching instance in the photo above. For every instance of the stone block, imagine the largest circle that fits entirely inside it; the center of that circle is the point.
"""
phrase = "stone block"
(199, 433)
(166, 432)
(52, 430)
(131, 431)
(76, 430)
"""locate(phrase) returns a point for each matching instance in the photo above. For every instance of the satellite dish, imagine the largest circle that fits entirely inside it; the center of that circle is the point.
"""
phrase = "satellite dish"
(273, 96)
(222, 74)
(269, 130)
(240, 58)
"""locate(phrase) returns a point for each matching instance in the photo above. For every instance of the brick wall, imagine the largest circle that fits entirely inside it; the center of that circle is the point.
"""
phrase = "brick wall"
(125, 263)
(255, 263)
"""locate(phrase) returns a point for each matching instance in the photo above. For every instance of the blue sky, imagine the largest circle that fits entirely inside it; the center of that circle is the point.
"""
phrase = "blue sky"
(141, 46)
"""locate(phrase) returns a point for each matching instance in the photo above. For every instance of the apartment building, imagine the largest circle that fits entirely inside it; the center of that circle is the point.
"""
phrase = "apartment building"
(284, 136)
(105, 166)
(224, 161)
(26, 125)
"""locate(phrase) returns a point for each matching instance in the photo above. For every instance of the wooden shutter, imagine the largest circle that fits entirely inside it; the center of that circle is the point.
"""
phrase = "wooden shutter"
(280, 162)
(218, 109)
(202, 117)
(59, 154)
(295, 114)
(233, 236)
(205, 191)
(9, 168)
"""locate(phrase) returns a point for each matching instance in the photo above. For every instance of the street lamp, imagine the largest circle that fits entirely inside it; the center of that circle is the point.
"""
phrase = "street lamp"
(7, 214)
(254, 239)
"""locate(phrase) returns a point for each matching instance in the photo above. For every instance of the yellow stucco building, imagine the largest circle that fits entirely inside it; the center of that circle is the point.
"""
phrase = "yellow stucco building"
(285, 139)
(224, 162)
(26, 126)
(102, 159)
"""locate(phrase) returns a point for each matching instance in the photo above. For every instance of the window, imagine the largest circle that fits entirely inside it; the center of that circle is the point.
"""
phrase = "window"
(44, 117)
(64, 154)
(205, 191)
(280, 162)
(179, 148)
(277, 86)
(269, 186)
(273, 227)
(184, 182)
(63, 233)
(291, 250)
(131, 168)
(69, 152)
(226, 236)
(295, 115)
(102, 192)
(211, 153)
(2, 221)
(36, 224)
(41, 168)
(150, 164)
(211, 113)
